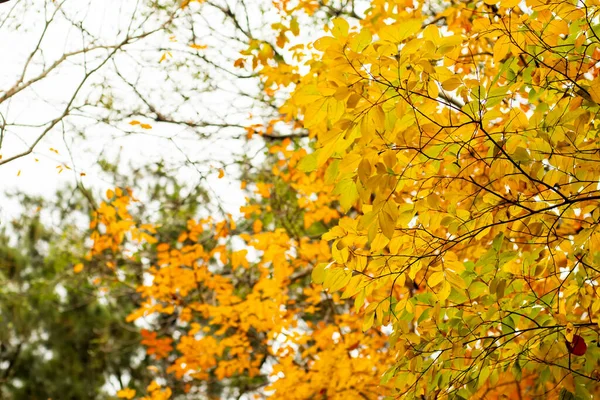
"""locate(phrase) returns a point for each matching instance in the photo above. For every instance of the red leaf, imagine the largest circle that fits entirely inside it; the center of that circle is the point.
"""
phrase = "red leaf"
(578, 346)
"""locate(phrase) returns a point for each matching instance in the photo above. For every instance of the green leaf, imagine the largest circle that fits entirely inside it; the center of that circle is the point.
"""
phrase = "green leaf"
(476, 289)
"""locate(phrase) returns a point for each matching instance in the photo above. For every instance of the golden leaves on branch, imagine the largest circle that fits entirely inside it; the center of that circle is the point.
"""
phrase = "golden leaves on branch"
(455, 153)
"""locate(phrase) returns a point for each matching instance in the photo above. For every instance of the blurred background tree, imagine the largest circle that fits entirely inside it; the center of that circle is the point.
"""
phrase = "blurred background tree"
(63, 333)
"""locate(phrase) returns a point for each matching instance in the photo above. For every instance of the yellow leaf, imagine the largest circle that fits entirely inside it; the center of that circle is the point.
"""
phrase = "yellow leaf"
(126, 393)
(509, 3)
(360, 41)
(557, 27)
(501, 48)
(414, 268)
(164, 57)
(198, 46)
(163, 247)
(368, 321)
(451, 83)
(387, 224)
(221, 173)
(396, 33)
(432, 89)
(110, 194)
(379, 242)
(359, 301)
(435, 279)
(346, 188)
(569, 383)
(324, 43)
(569, 332)
(308, 163)
(353, 287)
(373, 122)
(239, 258)
(338, 279)
(318, 273)
(444, 291)
(77, 268)
(134, 122)
(145, 126)
(576, 103)
(340, 28)
(594, 92)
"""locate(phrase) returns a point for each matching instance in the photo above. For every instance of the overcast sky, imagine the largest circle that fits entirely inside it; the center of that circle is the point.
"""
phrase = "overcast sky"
(218, 100)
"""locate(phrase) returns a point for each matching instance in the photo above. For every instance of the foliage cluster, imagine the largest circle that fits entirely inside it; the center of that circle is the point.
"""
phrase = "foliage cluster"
(423, 223)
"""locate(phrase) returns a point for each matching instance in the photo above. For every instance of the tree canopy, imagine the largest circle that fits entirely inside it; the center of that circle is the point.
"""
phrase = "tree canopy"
(421, 204)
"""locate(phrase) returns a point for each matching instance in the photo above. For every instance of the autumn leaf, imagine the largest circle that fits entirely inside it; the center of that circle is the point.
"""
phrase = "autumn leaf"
(437, 204)
(126, 393)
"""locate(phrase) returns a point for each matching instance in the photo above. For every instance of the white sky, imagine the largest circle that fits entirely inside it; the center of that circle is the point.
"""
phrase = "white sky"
(44, 100)
(218, 99)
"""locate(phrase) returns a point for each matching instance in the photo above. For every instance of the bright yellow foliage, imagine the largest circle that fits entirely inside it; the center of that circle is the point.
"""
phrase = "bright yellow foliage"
(126, 393)
(466, 147)
(260, 310)
(461, 141)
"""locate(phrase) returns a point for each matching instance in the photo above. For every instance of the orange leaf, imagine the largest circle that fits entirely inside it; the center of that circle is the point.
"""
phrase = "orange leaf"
(126, 393)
